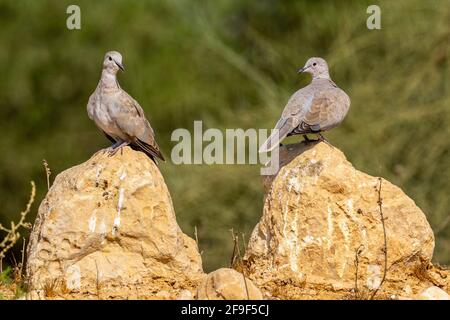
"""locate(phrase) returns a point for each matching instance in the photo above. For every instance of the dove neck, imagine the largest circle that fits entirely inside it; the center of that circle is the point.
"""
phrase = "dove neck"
(323, 75)
(109, 79)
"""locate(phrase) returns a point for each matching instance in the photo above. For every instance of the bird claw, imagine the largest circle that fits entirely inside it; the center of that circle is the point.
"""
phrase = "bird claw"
(111, 151)
(306, 140)
(322, 139)
(114, 148)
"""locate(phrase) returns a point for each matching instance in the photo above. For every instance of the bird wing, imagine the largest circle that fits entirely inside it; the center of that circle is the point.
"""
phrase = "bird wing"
(91, 105)
(290, 118)
(327, 110)
(283, 127)
(130, 118)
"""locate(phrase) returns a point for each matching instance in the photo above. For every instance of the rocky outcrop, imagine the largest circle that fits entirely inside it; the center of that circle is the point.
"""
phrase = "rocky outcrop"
(107, 229)
(321, 234)
(433, 293)
(227, 284)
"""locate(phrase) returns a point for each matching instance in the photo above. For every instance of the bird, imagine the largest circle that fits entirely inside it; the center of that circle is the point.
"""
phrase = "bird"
(318, 107)
(118, 115)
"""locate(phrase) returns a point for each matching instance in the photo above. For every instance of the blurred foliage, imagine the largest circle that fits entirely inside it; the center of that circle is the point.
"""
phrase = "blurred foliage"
(5, 276)
(232, 64)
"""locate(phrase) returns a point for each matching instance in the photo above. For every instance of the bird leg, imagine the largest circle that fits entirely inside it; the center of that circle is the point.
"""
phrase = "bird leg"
(306, 139)
(322, 138)
(109, 149)
(116, 146)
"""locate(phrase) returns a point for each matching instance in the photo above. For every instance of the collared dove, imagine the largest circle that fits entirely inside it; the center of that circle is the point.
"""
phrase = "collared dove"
(318, 107)
(118, 115)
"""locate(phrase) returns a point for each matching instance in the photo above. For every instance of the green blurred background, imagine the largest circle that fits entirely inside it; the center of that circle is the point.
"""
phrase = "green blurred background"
(231, 64)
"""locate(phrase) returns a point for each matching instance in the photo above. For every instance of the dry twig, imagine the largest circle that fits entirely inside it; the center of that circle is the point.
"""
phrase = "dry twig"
(47, 172)
(357, 254)
(380, 206)
(237, 257)
(196, 239)
(12, 233)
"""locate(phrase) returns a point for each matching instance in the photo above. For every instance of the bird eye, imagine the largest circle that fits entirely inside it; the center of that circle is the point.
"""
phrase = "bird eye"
(109, 58)
(314, 64)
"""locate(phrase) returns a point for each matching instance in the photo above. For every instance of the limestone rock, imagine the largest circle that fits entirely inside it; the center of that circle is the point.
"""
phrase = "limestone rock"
(185, 295)
(433, 293)
(227, 284)
(319, 211)
(107, 229)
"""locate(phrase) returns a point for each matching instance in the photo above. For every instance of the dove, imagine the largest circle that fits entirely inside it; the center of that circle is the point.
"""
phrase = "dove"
(118, 115)
(318, 107)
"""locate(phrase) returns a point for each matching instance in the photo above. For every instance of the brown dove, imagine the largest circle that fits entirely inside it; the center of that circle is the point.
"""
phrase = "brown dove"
(320, 106)
(118, 115)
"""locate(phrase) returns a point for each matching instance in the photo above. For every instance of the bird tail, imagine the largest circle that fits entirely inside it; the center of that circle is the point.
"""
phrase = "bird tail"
(281, 130)
(151, 151)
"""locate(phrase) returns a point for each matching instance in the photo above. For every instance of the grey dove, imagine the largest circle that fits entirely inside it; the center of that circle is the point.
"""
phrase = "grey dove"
(118, 115)
(320, 106)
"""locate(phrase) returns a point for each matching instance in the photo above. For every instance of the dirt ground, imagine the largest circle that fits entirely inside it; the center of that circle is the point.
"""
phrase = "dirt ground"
(397, 286)
(392, 289)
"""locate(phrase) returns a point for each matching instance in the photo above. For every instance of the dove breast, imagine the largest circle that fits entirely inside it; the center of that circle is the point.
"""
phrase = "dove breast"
(318, 107)
(105, 107)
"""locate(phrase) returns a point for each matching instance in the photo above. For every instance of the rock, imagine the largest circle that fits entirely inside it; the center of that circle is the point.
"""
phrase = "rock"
(319, 211)
(107, 229)
(185, 295)
(433, 293)
(227, 284)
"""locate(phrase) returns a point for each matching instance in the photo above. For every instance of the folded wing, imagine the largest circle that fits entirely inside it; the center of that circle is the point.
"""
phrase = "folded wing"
(130, 118)
(328, 109)
(290, 119)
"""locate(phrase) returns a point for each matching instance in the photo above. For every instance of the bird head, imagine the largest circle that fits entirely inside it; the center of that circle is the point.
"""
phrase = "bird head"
(317, 67)
(113, 62)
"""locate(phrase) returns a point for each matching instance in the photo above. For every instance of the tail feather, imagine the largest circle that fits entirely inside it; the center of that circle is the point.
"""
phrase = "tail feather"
(281, 130)
(149, 150)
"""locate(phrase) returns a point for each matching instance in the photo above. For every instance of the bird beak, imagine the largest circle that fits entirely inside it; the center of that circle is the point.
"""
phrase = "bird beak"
(120, 66)
(302, 69)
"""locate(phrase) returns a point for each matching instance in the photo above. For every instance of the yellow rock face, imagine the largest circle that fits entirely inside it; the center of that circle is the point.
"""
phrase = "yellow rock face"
(227, 284)
(319, 211)
(107, 229)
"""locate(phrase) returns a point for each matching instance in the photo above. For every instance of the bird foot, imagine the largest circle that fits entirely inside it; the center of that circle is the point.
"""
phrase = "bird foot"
(104, 150)
(308, 141)
(322, 139)
(116, 147)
